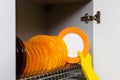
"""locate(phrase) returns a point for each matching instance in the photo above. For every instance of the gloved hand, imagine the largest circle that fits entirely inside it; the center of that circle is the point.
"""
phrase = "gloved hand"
(86, 64)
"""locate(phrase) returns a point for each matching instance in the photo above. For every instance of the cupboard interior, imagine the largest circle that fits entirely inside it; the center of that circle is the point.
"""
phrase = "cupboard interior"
(36, 17)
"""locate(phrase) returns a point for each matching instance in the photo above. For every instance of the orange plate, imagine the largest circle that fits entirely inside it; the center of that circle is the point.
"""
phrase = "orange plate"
(57, 54)
(62, 52)
(64, 49)
(44, 53)
(53, 50)
(28, 61)
(82, 34)
(35, 56)
(31, 67)
(40, 55)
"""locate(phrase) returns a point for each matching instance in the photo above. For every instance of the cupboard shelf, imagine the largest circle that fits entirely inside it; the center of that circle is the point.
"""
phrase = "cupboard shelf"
(33, 19)
(73, 72)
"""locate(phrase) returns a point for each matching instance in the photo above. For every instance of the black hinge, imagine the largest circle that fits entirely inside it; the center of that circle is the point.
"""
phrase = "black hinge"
(88, 18)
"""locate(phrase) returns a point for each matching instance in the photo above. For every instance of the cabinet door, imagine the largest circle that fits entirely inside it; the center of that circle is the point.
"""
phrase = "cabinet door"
(7, 39)
(107, 40)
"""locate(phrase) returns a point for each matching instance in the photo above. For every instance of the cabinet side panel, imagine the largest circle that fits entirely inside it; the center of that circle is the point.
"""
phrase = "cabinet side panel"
(7, 39)
(107, 40)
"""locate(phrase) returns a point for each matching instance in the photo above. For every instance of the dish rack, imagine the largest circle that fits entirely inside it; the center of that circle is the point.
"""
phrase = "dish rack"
(71, 72)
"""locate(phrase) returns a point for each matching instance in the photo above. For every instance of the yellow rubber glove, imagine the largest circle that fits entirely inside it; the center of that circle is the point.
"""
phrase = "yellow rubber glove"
(86, 64)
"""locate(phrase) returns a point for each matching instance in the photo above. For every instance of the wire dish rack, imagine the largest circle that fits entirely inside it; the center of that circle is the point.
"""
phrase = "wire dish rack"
(71, 72)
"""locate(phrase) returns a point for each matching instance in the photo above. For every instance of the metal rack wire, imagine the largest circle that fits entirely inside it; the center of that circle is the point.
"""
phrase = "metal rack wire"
(73, 72)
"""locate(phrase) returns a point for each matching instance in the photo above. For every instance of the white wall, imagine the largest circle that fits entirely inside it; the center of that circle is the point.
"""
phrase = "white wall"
(7, 39)
(107, 40)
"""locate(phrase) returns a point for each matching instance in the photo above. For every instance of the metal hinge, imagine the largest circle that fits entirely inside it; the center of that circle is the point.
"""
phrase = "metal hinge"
(88, 18)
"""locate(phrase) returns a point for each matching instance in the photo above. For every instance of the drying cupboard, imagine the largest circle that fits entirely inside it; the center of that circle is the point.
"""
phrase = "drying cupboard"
(26, 18)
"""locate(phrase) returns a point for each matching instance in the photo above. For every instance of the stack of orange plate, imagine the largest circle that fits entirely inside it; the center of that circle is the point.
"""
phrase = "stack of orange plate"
(45, 53)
